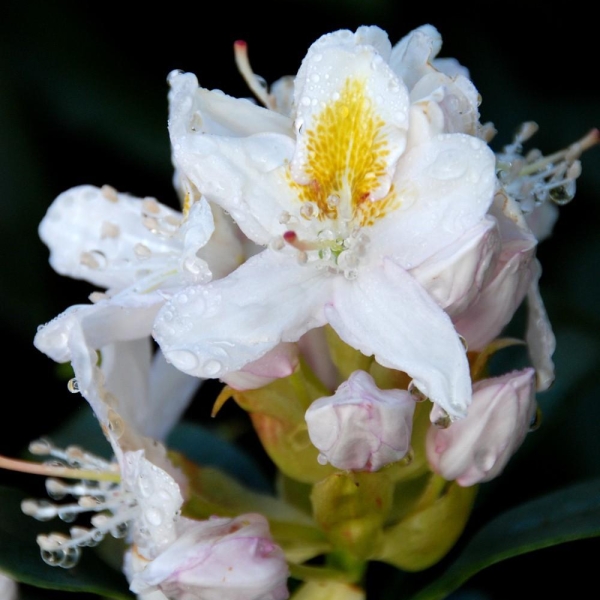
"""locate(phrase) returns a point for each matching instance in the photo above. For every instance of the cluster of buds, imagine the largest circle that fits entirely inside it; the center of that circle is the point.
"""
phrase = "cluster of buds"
(345, 260)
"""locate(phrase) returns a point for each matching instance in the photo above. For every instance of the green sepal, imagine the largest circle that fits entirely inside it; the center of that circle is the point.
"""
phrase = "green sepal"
(425, 535)
(328, 590)
(346, 358)
(277, 412)
(352, 508)
(212, 492)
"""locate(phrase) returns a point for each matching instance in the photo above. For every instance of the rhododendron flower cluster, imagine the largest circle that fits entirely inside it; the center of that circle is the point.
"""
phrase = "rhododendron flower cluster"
(347, 254)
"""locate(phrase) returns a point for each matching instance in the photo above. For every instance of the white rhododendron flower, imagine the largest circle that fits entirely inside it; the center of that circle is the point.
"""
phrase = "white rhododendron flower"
(219, 559)
(361, 427)
(347, 197)
(477, 448)
(146, 503)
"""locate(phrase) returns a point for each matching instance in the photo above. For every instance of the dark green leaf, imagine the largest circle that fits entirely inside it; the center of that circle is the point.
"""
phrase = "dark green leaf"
(569, 514)
(20, 557)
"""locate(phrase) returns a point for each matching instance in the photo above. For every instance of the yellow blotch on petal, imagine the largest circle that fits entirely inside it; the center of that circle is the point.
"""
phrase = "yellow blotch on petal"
(346, 159)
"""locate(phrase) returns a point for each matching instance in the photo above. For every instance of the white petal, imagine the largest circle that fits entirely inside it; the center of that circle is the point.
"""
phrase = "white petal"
(456, 274)
(245, 176)
(226, 324)
(444, 187)
(92, 234)
(345, 88)
(194, 110)
(124, 317)
(386, 313)
(411, 57)
(540, 337)
(495, 306)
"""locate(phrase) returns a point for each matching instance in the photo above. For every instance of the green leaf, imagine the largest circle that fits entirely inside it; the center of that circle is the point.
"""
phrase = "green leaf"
(20, 556)
(569, 514)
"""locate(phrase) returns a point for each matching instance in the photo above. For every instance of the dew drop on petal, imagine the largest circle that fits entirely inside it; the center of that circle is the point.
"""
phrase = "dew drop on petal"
(115, 423)
(212, 367)
(322, 459)
(154, 516)
(536, 419)
(73, 386)
(416, 393)
(449, 164)
(182, 359)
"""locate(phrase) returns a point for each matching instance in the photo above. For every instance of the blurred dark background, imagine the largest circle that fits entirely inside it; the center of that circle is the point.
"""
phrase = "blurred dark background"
(83, 99)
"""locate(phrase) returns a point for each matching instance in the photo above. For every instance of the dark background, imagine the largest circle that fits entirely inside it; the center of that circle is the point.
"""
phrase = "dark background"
(83, 99)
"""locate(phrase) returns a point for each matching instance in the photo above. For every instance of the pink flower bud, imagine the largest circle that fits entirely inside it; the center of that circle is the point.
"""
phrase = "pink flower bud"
(361, 427)
(279, 362)
(219, 559)
(477, 448)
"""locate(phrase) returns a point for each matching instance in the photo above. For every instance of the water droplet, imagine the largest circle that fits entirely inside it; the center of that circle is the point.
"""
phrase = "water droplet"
(41, 447)
(449, 164)
(154, 516)
(182, 299)
(333, 200)
(212, 367)
(305, 101)
(184, 360)
(322, 459)
(484, 459)
(317, 57)
(119, 530)
(315, 78)
(408, 457)
(536, 419)
(562, 194)
(116, 424)
(441, 419)
(309, 210)
(416, 393)
(142, 251)
(73, 386)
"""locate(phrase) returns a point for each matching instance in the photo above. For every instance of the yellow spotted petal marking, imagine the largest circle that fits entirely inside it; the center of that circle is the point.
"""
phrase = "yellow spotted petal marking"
(346, 157)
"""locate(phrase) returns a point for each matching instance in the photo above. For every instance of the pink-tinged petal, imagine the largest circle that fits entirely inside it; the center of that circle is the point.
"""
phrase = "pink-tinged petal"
(279, 362)
(315, 350)
(456, 274)
(9, 590)
(219, 559)
(444, 188)
(477, 448)
(540, 337)
(361, 427)
(496, 304)
(385, 312)
(218, 328)
(345, 92)
(94, 234)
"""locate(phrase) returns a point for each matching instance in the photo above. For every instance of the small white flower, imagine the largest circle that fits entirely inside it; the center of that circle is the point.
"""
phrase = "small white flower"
(361, 427)
(219, 559)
